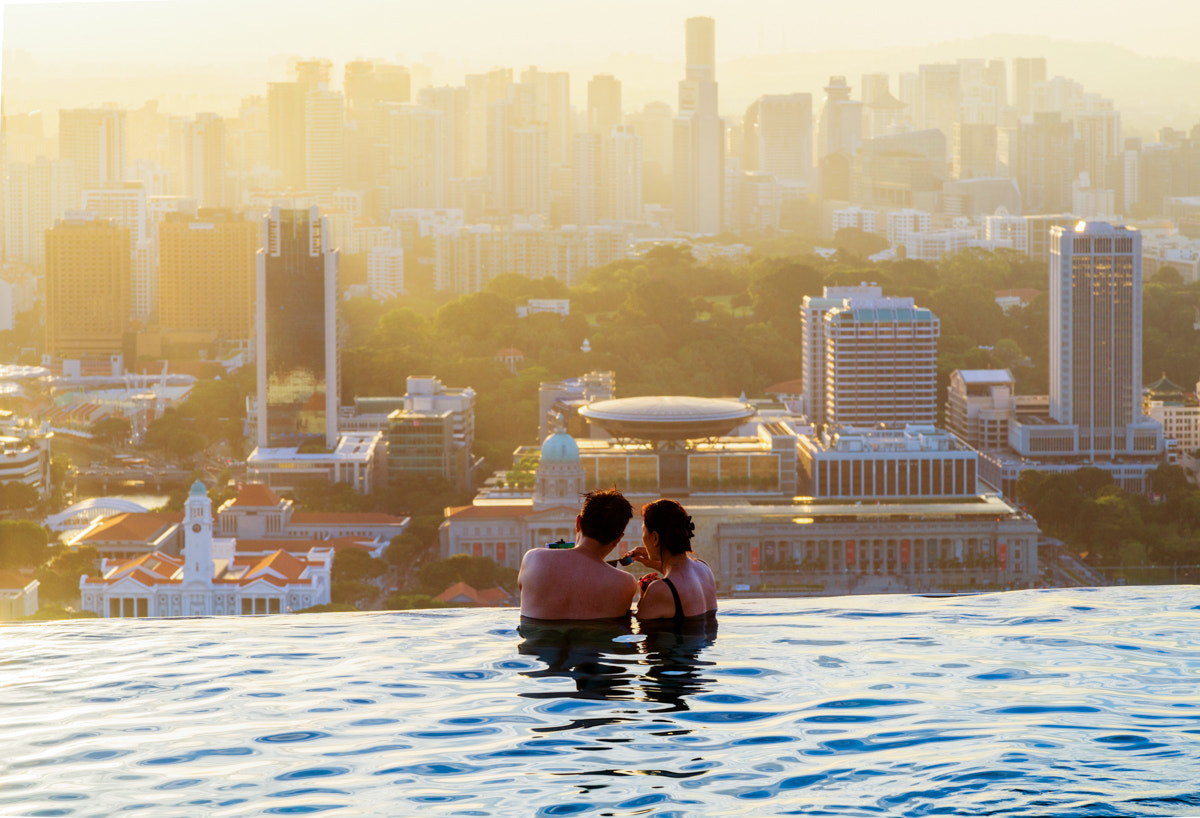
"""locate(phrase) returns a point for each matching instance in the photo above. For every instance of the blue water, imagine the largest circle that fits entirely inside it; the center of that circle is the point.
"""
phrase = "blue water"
(1064, 702)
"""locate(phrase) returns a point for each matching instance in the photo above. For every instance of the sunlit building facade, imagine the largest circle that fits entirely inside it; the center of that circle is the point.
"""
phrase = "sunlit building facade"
(87, 288)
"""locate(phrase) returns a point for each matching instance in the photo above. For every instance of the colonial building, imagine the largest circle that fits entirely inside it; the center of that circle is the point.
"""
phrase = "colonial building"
(209, 577)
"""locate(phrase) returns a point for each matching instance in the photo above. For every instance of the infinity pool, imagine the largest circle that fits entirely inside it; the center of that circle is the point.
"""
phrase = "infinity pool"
(1064, 702)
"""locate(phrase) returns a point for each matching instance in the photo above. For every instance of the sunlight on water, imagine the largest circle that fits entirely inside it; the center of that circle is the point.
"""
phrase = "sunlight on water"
(1043, 702)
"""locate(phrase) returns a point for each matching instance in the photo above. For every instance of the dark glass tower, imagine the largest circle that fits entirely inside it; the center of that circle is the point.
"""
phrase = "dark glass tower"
(296, 321)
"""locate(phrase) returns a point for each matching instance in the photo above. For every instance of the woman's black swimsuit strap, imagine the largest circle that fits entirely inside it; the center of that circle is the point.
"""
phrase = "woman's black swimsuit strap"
(679, 617)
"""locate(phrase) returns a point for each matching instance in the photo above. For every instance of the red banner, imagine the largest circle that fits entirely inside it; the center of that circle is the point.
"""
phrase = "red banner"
(904, 552)
(849, 552)
(754, 559)
(479, 549)
(500, 553)
(1002, 554)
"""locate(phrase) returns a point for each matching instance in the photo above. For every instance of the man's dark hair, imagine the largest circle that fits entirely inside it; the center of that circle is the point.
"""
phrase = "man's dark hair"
(604, 515)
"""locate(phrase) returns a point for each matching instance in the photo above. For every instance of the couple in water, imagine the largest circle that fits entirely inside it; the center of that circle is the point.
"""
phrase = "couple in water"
(578, 583)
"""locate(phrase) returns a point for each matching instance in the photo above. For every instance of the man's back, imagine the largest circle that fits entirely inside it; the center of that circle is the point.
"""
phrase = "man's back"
(571, 584)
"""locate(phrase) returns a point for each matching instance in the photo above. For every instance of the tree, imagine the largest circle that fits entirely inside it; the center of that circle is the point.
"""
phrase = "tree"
(22, 544)
(111, 430)
(405, 550)
(356, 565)
(859, 242)
(173, 435)
(15, 495)
(478, 572)
(59, 578)
(409, 602)
(1167, 479)
(353, 592)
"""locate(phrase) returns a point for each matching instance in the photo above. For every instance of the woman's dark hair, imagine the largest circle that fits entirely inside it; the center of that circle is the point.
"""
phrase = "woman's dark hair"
(671, 523)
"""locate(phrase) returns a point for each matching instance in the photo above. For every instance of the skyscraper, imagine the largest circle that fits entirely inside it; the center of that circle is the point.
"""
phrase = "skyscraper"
(205, 166)
(699, 145)
(1096, 334)
(296, 323)
(286, 131)
(87, 288)
(95, 140)
(867, 358)
(324, 143)
(604, 104)
(1045, 163)
(1026, 72)
(623, 174)
(206, 273)
(784, 137)
(124, 204)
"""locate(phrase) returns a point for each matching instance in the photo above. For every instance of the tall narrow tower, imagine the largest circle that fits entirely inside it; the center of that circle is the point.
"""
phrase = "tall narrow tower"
(296, 323)
(1096, 334)
(699, 189)
(197, 537)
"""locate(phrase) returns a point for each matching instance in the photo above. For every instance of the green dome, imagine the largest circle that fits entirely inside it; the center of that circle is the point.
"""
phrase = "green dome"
(560, 449)
(197, 489)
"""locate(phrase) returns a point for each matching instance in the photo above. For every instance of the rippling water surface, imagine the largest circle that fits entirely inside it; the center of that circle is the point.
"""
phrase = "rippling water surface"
(1067, 702)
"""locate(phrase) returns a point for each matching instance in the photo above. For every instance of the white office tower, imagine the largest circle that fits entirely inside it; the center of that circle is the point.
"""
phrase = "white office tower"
(414, 171)
(529, 171)
(623, 174)
(699, 145)
(939, 97)
(324, 143)
(1096, 337)
(784, 137)
(867, 358)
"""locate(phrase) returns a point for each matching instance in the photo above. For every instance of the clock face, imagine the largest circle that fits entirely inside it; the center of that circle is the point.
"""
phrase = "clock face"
(196, 527)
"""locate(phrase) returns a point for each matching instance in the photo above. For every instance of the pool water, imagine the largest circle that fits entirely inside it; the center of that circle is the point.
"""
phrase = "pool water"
(1062, 702)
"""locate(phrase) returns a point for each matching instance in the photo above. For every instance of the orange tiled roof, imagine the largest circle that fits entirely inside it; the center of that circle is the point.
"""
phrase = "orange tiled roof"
(255, 495)
(293, 546)
(344, 518)
(132, 526)
(456, 590)
(493, 596)
(11, 580)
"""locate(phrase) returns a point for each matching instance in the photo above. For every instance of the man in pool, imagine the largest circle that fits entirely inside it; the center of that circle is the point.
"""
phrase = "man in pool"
(576, 583)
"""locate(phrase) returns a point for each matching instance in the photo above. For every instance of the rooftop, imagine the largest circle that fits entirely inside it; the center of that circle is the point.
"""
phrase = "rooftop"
(668, 417)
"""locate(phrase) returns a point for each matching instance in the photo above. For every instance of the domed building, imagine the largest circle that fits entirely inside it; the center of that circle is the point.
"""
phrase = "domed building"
(560, 480)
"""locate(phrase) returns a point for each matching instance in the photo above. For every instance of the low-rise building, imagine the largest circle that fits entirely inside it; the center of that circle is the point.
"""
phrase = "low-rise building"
(25, 452)
(209, 577)
(359, 459)
(18, 596)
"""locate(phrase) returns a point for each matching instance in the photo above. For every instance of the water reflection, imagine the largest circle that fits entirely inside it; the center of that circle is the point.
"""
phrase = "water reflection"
(621, 660)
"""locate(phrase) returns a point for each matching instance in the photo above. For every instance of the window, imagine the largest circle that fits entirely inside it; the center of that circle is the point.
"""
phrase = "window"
(252, 606)
(128, 606)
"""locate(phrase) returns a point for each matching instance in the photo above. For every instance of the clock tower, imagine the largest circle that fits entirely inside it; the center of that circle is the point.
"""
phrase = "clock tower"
(197, 537)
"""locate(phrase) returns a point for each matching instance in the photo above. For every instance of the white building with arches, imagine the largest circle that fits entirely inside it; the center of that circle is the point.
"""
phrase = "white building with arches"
(209, 577)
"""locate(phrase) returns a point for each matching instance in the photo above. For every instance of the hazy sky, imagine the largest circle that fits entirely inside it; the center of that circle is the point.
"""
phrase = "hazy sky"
(561, 32)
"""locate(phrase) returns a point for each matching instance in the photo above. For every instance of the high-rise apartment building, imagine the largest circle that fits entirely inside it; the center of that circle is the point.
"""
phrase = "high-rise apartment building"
(454, 105)
(1045, 163)
(483, 91)
(206, 273)
(589, 179)
(551, 92)
(974, 150)
(87, 288)
(867, 358)
(604, 104)
(296, 327)
(324, 143)
(623, 174)
(939, 96)
(286, 129)
(94, 139)
(414, 139)
(1027, 72)
(782, 137)
(36, 194)
(370, 82)
(124, 204)
(205, 164)
(699, 144)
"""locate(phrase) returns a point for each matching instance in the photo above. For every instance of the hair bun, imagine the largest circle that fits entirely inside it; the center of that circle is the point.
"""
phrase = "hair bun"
(691, 527)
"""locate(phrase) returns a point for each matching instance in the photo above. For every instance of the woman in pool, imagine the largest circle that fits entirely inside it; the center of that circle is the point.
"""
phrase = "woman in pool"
(687, 588)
